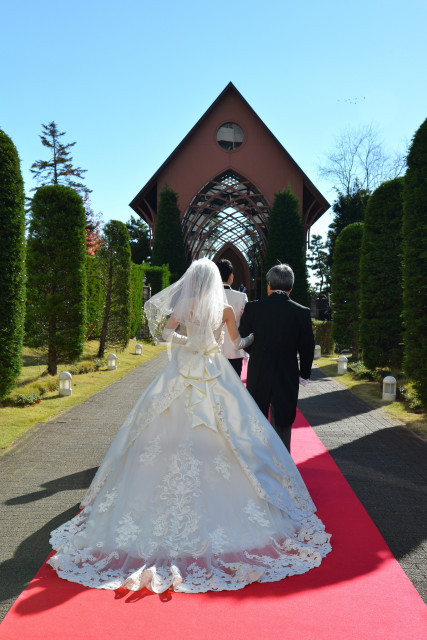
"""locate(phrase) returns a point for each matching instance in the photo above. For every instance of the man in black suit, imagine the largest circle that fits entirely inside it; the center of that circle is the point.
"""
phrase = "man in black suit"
(282, 330)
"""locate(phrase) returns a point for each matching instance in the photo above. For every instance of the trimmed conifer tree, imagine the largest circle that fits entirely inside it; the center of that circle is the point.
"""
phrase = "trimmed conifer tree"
(56, 266)
(12, 264)
(114, 258)
(168, 247)
(381, 278)
(286, 242)
(346, 287)
(415, 263)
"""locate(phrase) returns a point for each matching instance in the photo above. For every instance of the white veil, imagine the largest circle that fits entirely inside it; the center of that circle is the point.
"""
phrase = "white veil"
(197, 298)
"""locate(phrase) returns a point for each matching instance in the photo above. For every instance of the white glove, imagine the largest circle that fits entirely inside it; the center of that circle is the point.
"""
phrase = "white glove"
(169, 335)
(242, 343)
(303, 382)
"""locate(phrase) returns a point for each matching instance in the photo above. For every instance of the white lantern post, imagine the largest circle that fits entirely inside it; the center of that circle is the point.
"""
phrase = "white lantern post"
(155, 341)
(112, 362)
(342, 365)
(65, 386)
(389, 388)
(138, 350)
(317, 351)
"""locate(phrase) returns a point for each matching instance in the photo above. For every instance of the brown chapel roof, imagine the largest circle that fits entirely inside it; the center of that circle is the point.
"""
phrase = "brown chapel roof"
(137, 202)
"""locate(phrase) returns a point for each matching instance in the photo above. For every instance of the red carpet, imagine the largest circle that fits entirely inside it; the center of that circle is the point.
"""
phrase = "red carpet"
(358, 592)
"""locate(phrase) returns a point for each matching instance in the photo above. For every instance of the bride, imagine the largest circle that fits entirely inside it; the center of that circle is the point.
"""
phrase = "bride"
(197, 491)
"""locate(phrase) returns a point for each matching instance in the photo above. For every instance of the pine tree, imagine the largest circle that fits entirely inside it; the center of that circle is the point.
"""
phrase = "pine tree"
(56, 266)
(286, 242)
(58, 169)
(415, 263)
(115, 263)
(318, 263)
(139, 240)
(381, 278)
(346, 287)
(168, 245)
(12, 264)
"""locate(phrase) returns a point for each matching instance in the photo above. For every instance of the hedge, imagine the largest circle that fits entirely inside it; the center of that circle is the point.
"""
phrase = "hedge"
(323, 335)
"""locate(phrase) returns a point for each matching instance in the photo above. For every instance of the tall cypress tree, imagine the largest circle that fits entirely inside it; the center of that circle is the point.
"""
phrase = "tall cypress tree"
(114, 257)
(12, 264)
(381, 278)
(415, 263)
(56, 265)
(346, 287)
(168, 247)
(348, 208)
(286, 242)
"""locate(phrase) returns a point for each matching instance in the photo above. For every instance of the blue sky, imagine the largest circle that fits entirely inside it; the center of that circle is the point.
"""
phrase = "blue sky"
(127, 80)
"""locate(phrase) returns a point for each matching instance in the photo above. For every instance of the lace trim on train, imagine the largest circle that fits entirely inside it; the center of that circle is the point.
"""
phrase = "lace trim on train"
(92, 569)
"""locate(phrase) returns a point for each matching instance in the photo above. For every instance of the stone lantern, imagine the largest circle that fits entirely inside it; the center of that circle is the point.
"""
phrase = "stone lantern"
(389, 388)
(65, 387)
(138, 350)
(112, 362)
(342, 365)
(317, 351)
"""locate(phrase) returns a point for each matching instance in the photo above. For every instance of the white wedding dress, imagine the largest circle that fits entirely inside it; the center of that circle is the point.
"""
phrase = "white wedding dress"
(196, 493)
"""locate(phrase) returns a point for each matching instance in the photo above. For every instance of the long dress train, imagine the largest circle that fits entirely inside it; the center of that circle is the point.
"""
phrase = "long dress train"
(197, 492)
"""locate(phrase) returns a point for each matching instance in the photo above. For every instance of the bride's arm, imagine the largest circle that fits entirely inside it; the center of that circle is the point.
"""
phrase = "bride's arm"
(230, 320)
(169, 334)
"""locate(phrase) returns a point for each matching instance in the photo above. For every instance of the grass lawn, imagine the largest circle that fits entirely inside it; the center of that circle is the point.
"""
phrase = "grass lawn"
(15, 421)
(371, 393)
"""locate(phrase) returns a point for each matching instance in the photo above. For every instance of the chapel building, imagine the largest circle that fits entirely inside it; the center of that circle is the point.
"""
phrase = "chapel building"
(226, 172)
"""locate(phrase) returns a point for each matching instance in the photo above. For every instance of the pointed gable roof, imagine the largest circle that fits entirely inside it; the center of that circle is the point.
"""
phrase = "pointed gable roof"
(145, 202)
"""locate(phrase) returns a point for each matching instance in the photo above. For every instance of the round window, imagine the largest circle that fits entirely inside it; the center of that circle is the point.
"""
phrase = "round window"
(229, 136)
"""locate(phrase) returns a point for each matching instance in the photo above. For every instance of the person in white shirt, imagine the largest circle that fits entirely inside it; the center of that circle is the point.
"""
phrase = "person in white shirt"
(237, 300)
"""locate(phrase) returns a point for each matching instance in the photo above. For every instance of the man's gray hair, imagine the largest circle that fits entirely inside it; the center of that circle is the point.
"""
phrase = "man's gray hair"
(281, 277)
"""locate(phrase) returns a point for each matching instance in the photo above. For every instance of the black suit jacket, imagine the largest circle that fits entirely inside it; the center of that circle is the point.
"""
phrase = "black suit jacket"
(282, 329)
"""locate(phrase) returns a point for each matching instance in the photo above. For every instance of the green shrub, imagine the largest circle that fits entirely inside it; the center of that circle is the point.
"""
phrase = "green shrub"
(157, 278)
(86, 366)
(56, 266)
(136, 290)
(381, 278)
(345, 287)
(410, 398)
(323, 335)
(286, 242)
(168, 246)
(95, 298)
(115, 267)
(12, 264)
(415, 264)
(361, 372)
(25, 399)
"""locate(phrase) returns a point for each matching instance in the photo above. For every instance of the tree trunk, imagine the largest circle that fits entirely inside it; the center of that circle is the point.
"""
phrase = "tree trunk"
(52, 356)
(104, 329)
(355, 345)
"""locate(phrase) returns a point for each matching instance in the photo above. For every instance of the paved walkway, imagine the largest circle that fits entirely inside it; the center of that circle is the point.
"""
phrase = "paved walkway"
(44, 477)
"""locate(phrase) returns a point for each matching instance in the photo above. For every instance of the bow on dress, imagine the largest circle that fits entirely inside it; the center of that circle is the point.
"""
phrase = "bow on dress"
(196, 365)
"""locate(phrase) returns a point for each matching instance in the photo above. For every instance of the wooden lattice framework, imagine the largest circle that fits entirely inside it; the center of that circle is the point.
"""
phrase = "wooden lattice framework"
(228, 209)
